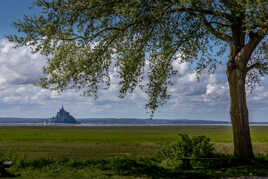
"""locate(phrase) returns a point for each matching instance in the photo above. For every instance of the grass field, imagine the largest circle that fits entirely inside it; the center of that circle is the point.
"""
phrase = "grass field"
(100, 142)
(91, 151)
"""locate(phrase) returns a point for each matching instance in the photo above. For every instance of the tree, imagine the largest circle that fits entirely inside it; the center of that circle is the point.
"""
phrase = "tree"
(84, 39)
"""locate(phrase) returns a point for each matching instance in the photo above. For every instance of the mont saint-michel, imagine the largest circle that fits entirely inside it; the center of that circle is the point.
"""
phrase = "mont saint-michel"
(62, 117)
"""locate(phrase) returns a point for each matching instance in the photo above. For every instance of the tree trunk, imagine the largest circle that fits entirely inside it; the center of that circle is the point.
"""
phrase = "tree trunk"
(239, 113)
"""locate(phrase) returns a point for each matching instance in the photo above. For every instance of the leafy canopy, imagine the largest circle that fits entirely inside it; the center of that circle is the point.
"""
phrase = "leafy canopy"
(85, 39)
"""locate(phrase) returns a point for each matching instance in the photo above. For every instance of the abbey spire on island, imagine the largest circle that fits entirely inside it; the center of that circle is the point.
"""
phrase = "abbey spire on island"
(62, 116)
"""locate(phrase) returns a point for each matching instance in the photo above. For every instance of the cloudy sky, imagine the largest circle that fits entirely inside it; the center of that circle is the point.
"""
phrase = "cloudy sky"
(20, 70)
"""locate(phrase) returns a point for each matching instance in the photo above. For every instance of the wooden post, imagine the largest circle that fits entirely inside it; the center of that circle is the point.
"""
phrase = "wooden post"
(186, 164)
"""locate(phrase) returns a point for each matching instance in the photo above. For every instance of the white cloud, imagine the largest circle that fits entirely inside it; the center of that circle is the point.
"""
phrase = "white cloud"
(19, 66)
(181, 68)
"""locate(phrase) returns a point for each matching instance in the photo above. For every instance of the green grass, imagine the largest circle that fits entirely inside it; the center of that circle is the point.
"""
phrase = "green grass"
(126, 167)
(80, 144)
(99, 142)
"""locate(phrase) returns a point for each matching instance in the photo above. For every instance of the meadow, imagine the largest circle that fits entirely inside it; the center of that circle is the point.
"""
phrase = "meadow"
(69, 144)
(99, 142)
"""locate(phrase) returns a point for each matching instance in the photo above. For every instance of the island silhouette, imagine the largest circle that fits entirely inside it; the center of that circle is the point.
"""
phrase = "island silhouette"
(62, 116)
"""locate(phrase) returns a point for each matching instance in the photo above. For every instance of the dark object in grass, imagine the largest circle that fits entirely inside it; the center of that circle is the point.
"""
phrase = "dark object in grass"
(186, 162)
(3, 172)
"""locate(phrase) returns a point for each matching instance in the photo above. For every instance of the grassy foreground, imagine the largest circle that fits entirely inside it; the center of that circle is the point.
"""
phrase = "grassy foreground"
(99, 152)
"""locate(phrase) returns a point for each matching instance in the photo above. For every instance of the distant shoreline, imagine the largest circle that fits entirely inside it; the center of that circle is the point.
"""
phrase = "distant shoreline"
(111, 125)
(119, 122)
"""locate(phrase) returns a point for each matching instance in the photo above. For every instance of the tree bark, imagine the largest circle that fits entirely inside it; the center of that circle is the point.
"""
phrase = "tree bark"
(239, 111)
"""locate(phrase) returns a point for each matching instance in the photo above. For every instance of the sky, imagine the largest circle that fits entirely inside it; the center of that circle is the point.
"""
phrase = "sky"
(20, 70)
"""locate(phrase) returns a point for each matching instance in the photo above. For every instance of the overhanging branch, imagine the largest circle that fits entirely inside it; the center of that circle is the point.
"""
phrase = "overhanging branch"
(254, 66)
(219, 35)
(218, 23)
(204, 12)
(255, 39)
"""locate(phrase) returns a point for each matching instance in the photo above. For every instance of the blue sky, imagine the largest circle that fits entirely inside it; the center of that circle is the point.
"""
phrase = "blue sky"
(19, 70)
(12, 10)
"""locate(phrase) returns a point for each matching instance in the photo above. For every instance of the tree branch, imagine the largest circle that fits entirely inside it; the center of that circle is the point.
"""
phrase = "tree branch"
(254, 66)
(221, 24)
(122, 29)
(219, 35)
(206, 12)
(255, 39)
(200, 13)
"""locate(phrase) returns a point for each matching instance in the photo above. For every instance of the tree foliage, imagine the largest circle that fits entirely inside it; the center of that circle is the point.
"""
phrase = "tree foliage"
(85, 39)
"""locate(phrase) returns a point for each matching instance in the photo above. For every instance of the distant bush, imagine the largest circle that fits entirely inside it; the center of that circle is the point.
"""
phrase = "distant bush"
(186, 147)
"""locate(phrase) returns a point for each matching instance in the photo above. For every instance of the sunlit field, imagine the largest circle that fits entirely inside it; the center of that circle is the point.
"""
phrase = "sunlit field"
(101, 142)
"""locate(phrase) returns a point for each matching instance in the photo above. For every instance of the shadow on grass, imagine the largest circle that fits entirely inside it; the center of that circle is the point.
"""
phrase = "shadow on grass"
(233, 167)
(121, 166)
(150, 167)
